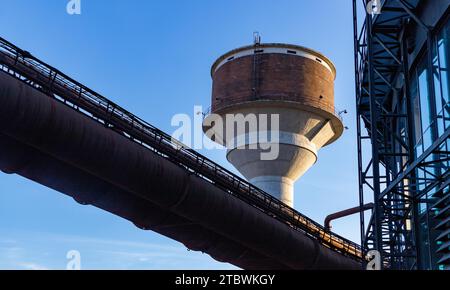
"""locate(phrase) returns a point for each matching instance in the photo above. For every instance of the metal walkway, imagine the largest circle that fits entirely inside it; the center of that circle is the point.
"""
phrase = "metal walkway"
(25, 67)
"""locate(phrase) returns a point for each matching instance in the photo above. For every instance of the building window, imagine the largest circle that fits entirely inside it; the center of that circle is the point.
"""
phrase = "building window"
(432, 112)
(443, 74)
(425, 104)
(438, 90)
(416, 109)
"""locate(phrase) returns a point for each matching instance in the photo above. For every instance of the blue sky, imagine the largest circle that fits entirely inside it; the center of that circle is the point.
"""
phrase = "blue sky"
(154, 58)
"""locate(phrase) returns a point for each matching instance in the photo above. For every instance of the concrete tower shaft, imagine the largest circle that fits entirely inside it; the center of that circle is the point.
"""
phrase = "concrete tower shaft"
(291, 82)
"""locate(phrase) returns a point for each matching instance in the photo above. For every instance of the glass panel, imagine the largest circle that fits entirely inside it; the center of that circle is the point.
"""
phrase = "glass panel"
(438, 89)
(427, 138)
(416, 108)
(447, 116)
(424, 95)
(446, 148)
(443, 44)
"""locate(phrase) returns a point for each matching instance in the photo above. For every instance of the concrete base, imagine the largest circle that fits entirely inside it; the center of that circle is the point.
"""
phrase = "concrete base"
(296, 139)
(281, 188)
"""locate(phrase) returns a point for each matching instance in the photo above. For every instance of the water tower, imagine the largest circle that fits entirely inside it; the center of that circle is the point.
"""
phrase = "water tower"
(294, 82)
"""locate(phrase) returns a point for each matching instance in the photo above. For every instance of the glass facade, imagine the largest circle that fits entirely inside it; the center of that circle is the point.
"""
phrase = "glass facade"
(432, 111)
(430, 96)
(443, 77)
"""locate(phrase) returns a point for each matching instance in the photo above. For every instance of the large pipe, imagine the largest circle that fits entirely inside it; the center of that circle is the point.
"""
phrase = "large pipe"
(344, 213)
(53, 128)
(86, 189)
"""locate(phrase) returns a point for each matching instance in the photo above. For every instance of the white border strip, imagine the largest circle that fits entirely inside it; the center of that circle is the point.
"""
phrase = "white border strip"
(278, 50)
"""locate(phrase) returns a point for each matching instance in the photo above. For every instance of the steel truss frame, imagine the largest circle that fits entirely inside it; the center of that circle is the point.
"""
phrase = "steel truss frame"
(382, 83)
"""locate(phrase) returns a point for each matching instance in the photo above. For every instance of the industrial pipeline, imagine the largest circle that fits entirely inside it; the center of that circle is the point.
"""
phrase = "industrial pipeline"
(61, 134)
